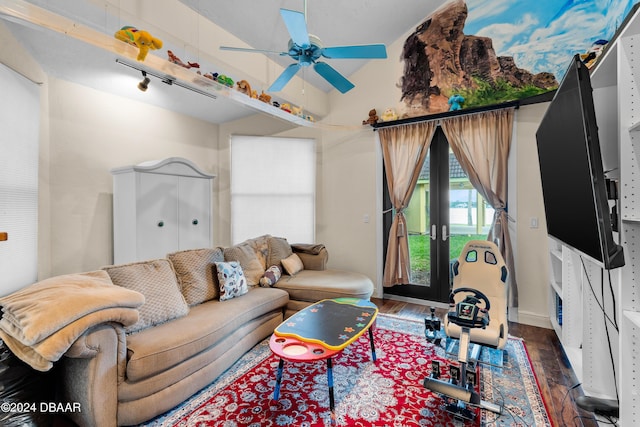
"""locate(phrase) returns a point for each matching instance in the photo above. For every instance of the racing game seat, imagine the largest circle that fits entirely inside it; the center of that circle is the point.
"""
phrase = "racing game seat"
(480, 266)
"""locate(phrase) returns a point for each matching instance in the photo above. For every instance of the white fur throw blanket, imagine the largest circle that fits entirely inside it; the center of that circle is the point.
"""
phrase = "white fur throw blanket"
(40, 322)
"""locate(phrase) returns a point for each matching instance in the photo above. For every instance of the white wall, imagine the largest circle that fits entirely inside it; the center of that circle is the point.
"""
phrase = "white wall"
(532, 253)
(92, 132)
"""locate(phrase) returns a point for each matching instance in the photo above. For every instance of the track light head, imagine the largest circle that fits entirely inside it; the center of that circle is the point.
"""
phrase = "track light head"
(165, 78)
(144, 84)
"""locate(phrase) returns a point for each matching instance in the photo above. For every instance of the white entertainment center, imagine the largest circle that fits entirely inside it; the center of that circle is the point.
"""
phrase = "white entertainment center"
(588, 303)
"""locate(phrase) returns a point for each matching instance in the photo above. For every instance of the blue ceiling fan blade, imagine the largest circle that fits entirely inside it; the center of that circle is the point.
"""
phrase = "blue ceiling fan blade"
(332, 76)
(369, 51)
(242, 49)
(284, 78)
(297, 27)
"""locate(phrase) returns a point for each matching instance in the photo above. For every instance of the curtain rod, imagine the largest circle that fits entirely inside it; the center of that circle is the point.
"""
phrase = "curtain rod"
(545, 97)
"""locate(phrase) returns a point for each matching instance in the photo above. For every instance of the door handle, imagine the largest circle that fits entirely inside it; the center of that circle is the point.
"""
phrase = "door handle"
(444, 233)
(434, 231)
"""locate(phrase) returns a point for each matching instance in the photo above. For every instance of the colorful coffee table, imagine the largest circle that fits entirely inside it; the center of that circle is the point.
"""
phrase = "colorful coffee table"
(321, 331)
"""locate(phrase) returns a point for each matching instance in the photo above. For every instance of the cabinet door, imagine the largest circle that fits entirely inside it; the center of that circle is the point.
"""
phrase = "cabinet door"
(194, 213)
(157, 215)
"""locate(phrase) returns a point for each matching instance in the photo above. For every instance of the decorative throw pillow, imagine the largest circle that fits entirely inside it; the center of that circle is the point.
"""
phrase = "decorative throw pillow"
(246, 256)
(271, 276)
(279, 249)
(156, 280)
(198, 281)
(292, 264)
(231, 279)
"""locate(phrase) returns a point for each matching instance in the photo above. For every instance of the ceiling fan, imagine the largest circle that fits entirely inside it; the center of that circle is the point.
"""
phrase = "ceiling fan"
(306, 49)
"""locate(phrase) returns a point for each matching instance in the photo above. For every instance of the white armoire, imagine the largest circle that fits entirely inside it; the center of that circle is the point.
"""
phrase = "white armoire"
(160, 207)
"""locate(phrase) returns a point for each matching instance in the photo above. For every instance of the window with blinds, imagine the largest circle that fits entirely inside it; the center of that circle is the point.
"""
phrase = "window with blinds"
(19, 133)
(273, 188)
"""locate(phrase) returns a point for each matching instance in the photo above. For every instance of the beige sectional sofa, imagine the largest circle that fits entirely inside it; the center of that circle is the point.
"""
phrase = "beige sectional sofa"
(192, 326)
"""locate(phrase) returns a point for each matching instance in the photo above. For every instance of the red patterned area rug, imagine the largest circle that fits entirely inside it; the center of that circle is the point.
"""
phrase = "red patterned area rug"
(388, 392)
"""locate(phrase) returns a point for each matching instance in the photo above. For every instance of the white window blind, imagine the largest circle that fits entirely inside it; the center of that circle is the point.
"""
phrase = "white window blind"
(19, 130)
(273, 186)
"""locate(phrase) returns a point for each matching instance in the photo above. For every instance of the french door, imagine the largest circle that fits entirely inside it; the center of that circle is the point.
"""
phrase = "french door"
(444, 213)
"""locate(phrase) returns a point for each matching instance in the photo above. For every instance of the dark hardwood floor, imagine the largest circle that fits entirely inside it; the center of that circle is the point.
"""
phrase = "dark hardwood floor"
(552, 368)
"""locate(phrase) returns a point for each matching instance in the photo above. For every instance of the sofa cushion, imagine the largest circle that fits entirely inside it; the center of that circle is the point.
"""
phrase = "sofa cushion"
(231, 278)
(156, 280)
(260, 246)
(157, 349)
(314, 285)
(245, 254)
(292, 264)
(198, 281)
(314, 261)
(279, 249)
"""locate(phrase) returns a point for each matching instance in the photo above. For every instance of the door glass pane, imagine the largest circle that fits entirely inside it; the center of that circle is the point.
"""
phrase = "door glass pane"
(418, 226)
(469, 215)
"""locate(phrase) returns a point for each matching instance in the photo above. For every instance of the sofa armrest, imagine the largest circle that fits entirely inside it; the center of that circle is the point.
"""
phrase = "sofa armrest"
(314, 261)
(90, 373)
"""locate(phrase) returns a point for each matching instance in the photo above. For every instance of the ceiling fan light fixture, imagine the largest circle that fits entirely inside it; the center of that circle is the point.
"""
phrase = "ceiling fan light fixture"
(144, 84)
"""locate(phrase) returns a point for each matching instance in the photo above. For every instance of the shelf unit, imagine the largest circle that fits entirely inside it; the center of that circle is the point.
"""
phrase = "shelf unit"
(566, 301)
(585, 289)
(555, 282)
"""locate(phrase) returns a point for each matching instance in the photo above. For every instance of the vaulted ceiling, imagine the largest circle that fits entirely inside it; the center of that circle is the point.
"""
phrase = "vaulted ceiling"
(544, 34)
(335, 22)
(255, 24)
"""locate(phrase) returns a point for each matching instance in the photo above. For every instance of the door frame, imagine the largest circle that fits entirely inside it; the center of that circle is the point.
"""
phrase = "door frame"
(439, 197)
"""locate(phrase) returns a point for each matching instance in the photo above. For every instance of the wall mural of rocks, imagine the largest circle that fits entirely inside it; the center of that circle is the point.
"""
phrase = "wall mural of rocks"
(472, 53)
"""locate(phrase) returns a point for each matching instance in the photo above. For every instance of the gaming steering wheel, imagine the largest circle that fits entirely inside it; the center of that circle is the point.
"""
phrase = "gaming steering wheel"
(467, 313)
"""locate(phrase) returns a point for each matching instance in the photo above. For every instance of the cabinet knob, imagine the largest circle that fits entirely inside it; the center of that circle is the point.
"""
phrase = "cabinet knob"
(160, 223)
(194, 222)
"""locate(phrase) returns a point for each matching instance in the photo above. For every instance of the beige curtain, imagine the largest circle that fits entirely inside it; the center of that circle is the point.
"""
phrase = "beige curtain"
(481, 144)
(404, 149)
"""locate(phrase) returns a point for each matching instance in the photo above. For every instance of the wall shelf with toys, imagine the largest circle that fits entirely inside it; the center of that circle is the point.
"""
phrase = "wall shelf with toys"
(216, 85)
(124, 46)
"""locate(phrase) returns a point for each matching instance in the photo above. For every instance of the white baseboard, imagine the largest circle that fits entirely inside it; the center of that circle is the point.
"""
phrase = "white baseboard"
(534, 319)
(523, 317)
(416, 301)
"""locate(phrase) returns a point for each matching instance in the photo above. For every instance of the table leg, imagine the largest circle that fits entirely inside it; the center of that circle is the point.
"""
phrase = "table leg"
(330, 383)
(276, 392)
(373, 346)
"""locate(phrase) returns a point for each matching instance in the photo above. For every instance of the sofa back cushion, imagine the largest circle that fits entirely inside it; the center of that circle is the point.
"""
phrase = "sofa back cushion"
(279, 249)
(197, 279)
(260, 247)
(246, 256)
(156, 280)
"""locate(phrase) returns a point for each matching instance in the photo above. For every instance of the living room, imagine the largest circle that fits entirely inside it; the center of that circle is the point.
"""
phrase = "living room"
(84, 132)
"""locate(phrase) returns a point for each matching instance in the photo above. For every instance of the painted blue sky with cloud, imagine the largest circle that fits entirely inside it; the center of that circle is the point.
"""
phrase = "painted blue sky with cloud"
(543, 35)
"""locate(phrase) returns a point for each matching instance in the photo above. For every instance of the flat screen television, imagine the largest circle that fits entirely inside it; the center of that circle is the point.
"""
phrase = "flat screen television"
(574, 186)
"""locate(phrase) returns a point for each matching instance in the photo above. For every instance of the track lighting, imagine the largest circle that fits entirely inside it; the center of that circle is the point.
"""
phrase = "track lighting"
(165, 78)
(144, 84)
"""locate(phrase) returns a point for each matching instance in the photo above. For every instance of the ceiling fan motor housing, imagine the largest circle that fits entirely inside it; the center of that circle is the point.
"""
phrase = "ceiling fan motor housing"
(306, 55)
